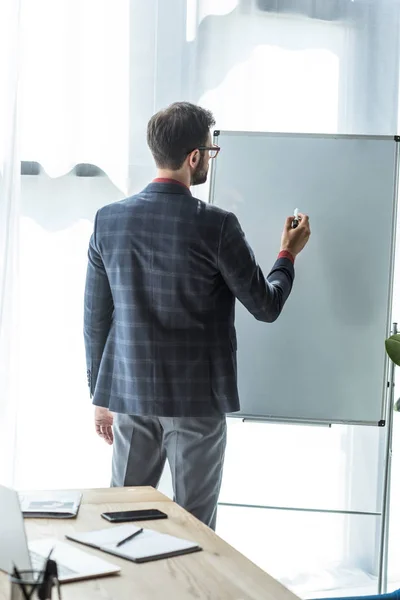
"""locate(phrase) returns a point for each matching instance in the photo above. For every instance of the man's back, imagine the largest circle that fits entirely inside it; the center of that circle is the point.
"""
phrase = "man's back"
(163, 274)
(172, 334)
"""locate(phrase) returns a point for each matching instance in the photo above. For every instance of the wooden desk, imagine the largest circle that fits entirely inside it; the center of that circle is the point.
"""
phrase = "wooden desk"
(217, 573)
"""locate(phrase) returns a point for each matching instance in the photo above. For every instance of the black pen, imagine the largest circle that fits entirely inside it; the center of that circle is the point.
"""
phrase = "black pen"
(46, 578)
(17, 575)
(130, 537)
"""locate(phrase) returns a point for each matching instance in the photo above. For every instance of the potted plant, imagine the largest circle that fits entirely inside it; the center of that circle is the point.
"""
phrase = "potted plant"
(393, 349)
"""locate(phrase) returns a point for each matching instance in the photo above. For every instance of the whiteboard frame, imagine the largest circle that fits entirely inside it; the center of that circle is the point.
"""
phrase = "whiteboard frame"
(386, 383)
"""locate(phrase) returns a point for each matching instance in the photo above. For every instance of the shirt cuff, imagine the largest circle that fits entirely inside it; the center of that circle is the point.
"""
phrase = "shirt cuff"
(286, 254)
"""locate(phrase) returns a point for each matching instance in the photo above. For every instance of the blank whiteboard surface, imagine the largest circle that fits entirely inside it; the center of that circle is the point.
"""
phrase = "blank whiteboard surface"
(324, 359)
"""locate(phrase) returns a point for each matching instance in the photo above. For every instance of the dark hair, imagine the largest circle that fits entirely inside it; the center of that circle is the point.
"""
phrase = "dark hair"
(176, 131)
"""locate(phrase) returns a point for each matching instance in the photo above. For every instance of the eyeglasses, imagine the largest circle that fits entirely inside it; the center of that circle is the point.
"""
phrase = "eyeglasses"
(212, 150)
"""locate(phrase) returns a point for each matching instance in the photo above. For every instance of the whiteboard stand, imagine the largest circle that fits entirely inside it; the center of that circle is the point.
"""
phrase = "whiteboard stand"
(384, 532)
(373, 156)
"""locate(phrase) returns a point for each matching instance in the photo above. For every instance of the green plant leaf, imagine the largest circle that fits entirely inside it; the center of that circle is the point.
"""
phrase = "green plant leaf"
(393, 348)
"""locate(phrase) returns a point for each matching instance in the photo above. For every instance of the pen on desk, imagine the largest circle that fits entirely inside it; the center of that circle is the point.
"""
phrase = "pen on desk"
(130, 537)
(295, 221)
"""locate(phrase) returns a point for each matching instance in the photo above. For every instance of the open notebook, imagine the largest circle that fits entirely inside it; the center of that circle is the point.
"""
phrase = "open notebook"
(149, 545)
(50, 505)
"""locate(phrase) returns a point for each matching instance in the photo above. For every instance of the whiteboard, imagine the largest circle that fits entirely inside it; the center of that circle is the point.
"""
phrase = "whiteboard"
(324, 359)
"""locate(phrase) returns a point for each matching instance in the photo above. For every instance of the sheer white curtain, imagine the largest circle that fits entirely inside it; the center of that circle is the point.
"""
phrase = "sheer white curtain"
(75, 85)
(9, 204)
(109, 73)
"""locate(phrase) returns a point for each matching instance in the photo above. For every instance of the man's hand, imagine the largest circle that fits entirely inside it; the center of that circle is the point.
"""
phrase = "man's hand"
(294, 240)
(103, 419)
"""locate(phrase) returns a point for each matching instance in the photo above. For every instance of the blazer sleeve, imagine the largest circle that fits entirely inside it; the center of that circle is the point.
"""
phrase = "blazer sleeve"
(264, 297)
(98, 311)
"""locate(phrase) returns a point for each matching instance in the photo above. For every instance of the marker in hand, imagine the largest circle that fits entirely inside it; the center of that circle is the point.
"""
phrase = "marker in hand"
(295, 221)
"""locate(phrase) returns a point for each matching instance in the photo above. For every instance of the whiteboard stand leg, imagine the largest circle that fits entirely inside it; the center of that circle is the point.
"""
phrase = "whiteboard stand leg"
(384, 533)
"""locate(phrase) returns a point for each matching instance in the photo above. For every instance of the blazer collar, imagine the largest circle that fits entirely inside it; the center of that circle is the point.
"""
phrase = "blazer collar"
(168, 187)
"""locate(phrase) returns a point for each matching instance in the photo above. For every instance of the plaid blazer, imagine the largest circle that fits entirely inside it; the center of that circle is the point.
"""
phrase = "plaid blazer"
(164, 270)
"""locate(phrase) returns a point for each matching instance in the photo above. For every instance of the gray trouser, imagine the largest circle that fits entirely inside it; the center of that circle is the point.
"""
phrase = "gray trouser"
(194, 446)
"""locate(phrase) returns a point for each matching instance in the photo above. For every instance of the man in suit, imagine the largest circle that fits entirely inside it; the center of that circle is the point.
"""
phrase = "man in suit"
(164, 271)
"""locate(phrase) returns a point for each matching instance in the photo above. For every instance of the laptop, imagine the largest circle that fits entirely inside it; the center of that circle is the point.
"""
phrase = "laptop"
(73, 564)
